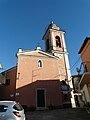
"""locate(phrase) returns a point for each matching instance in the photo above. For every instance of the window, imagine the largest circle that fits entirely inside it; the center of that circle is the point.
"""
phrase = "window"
(47, 45)
(39, 63)
(7, 82)
(3, 108)
(58, 43)
(18, 107)
(85, 68)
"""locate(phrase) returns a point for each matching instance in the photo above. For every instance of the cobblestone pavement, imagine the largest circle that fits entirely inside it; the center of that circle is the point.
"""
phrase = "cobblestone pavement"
(59, 114)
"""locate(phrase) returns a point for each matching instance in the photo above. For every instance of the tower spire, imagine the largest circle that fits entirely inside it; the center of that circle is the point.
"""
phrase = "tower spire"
(51, 22)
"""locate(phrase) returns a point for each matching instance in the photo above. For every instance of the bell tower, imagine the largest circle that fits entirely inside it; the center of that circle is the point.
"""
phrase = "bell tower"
(55, 45)
(54, 40)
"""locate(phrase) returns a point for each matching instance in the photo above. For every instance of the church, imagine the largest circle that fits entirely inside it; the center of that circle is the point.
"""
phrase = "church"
(41, 79)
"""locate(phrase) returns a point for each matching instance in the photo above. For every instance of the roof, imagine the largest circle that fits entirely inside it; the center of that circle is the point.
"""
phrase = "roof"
(52, 26)
(84, 44)
(78, 75)
(8, 69)
(31, 53)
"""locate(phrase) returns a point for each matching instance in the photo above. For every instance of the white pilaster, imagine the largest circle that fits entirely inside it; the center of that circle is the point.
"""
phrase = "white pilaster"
(53, 40)
(68, 72)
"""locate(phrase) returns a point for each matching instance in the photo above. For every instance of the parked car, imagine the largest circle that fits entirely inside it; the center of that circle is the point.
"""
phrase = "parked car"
(11, 110)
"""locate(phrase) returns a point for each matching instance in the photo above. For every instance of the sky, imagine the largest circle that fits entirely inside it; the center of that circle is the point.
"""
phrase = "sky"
(23, 24)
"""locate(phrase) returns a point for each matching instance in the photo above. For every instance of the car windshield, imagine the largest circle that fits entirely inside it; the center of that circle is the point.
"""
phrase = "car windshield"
(18, 107)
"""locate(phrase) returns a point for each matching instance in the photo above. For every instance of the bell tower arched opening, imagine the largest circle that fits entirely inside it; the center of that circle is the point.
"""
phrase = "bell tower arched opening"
(47, 45)
(58, 42)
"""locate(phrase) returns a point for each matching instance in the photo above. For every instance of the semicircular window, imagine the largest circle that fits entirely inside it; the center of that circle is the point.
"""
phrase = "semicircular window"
(58, 43)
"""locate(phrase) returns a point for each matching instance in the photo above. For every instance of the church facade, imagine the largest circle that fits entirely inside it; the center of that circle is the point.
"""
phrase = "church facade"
(43, 78)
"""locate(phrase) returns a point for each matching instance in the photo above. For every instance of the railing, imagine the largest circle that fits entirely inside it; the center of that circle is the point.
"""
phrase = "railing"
(84, 67)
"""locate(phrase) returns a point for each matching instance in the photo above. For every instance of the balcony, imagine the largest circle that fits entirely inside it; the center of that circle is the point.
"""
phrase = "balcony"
(85, 71)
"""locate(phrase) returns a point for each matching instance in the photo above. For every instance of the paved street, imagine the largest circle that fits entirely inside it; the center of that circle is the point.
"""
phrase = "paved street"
(59, 114)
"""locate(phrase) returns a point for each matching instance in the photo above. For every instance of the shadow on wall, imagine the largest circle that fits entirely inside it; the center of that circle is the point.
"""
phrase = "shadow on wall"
(43, 94)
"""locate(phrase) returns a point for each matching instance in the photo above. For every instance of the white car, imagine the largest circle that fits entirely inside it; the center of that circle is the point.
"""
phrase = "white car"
(11, 110)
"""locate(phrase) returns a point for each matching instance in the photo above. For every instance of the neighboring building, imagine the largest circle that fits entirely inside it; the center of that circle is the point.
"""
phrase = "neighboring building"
(43, 78)
(84, 73)
(9, 86)
(77, 94)
(2, 78)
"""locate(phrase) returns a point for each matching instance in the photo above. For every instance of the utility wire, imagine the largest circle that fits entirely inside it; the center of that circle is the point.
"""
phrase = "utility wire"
(75, 63)
(79, 57)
